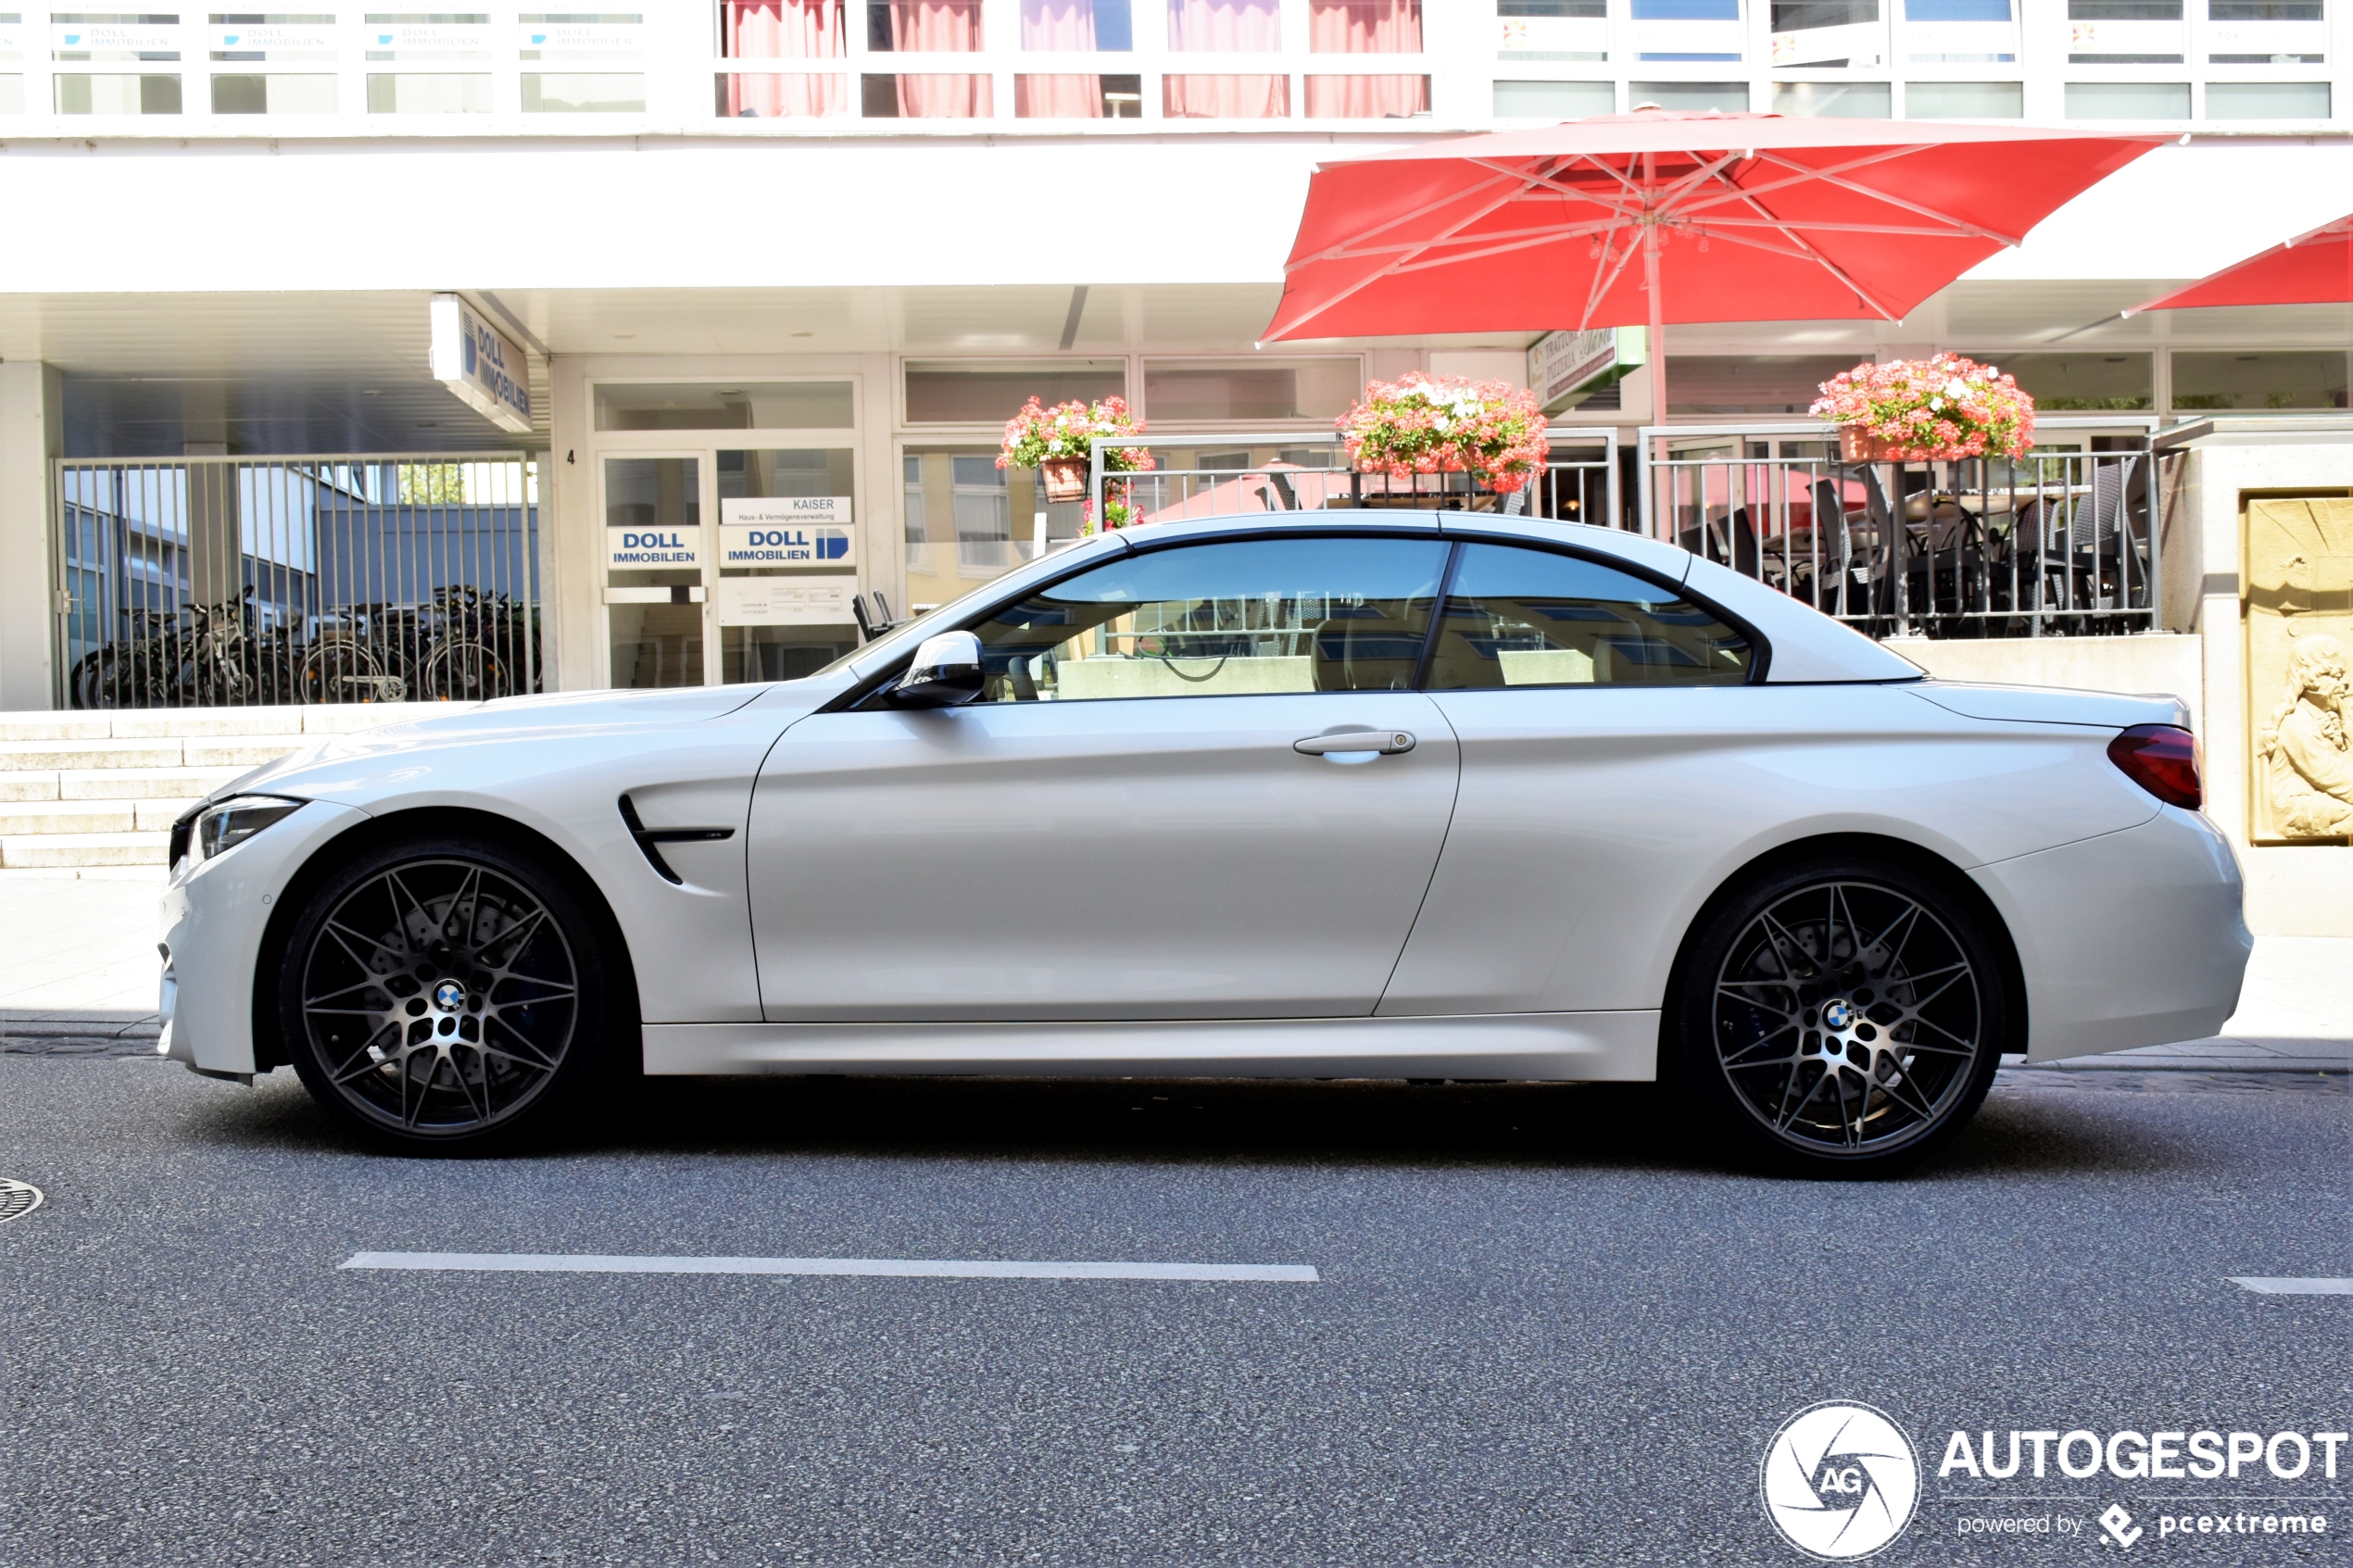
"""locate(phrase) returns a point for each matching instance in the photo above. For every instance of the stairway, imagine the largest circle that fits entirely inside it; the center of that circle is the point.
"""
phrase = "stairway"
(88, 791)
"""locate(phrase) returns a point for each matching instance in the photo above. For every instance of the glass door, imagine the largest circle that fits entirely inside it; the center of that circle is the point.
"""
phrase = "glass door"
(654, 564)
(788, 560)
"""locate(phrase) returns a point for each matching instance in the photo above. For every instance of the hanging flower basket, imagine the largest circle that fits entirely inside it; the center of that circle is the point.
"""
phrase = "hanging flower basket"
(1935, 410)
(1059, 443)
(1419, 424)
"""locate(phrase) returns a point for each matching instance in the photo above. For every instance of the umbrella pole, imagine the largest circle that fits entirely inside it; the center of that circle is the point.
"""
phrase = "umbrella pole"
(1656, 348)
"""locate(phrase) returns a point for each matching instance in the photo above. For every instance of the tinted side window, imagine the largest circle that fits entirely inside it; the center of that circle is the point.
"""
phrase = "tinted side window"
(1235, 618)
(1530, 618)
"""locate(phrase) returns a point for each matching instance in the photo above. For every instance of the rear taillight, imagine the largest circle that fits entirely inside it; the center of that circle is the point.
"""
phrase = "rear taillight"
(2164, 760)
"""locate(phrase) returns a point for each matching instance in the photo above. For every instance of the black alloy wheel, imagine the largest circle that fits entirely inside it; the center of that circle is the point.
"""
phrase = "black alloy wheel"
(450, 994)
(1840, 1017)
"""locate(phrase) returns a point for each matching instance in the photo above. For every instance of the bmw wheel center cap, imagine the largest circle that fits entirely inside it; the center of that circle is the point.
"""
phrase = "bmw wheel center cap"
(449, 997)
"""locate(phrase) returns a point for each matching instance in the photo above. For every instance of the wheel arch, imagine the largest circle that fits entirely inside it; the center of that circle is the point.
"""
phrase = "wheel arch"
(420, 822)
(1862, 845)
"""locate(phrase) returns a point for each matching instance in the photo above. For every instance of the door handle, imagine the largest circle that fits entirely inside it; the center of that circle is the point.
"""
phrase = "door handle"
(1387, 743)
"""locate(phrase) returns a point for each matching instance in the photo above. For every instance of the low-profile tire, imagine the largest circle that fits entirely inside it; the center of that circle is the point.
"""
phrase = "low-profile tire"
(453, 994)
(1840, 1016)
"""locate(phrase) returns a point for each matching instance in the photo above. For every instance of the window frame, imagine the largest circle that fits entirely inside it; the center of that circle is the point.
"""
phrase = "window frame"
(863, 696)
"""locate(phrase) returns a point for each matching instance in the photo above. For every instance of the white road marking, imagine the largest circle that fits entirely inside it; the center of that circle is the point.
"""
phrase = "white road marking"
(901, 1268)
(2295, 1286)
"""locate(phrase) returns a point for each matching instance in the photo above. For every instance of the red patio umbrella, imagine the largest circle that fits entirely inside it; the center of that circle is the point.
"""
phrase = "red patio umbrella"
(1734, 217)
(2312, 268)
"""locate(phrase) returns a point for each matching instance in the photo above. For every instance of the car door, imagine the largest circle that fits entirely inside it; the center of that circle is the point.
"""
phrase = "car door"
(1198, 784)
(1595, 708)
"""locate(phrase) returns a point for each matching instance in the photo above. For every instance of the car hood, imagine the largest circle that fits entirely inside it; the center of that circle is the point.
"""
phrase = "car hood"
(2052, 705)
(326, 766)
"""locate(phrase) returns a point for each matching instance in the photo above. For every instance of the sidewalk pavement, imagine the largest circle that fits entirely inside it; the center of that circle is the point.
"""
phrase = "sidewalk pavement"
(81, 974)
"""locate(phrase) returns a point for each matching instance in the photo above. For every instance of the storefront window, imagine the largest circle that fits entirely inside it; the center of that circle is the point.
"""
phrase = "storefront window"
(826, 404)
(1214, 391)
(2259, 382)
(2079, 383)
(653, 509)
(989, 391)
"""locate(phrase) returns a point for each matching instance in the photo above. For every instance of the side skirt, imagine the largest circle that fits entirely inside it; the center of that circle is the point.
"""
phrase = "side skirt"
(1548, 1046)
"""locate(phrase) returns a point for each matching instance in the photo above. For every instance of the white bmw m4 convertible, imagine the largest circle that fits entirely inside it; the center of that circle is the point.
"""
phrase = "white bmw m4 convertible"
(1447, 795)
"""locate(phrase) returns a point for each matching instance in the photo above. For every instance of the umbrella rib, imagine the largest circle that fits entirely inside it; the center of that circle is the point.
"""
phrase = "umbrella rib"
(1717, 224)
(1821, 261)
(1600, 290)
(1961, 226)
(1340, 249)
(1800, 174)
(1563, 232)
(1551, 182)
(1370, 278)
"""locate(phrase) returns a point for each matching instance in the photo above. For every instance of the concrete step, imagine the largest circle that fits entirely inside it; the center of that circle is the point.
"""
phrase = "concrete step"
(30, 787)
(249, 751)
(17, 756)
(131, 784)
(18, 819)
(85, 849)
(55, 726)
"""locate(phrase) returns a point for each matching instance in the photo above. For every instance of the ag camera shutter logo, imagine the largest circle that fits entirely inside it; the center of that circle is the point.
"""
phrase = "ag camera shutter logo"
(1840, 1481)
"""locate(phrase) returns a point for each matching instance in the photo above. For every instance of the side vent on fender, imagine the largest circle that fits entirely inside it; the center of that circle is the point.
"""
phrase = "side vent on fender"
(648, 838)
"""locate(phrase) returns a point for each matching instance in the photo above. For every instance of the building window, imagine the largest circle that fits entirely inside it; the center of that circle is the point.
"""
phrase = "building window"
(2259, 381)
(1232, 27)
(2267, 100)
(1725, 97)
(2263, 10)
(989, 391)
(926, 97)
(1687, 10)
(1364, 27)
(307, 93)
(1804, 16)
(1221, 391)
(1553, 100)
(1365, 97)
(780, 95)
(429, 92)
(1965, 100)
(1224, 97)
(118, 94)
(2082, 382)
(1836, 100)
(1078, 98)
(1956, 10)
(781, 30)
(11, 94)
(2123, 10)
(929, 26)
(812, 405)
(2128, 100)
(1077, 27)
(581, 93)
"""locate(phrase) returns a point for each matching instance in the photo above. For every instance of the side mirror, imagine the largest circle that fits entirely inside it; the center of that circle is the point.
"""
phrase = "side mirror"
(946, 670)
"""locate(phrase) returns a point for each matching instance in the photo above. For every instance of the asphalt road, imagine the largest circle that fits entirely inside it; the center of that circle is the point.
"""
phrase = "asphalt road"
(1547, 1329)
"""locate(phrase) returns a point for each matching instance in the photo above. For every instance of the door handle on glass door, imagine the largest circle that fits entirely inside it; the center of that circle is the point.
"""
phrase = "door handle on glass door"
(1385, 742)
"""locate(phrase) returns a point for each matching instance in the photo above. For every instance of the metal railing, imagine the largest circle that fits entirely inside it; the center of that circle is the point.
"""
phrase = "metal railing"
(2061, 542)
(1260, 472)
(197, 581)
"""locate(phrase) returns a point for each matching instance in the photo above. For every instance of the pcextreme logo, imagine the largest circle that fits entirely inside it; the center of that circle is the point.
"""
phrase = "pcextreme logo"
(1840, 1481)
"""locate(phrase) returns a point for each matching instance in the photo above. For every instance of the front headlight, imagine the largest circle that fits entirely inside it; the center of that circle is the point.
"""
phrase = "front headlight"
(224, 824)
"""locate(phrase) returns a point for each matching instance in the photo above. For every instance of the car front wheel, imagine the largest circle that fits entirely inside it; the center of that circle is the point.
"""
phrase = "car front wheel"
(449, 994)
(1840, 1017)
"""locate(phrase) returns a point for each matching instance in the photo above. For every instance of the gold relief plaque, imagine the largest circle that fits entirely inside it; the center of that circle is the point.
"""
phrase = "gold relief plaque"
(2300, 636)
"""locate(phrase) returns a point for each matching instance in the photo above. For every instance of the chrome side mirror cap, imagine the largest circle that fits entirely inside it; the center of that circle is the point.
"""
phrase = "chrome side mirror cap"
(945, 672)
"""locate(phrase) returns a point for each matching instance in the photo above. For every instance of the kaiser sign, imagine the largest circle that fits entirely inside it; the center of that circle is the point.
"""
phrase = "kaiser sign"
(798, 531)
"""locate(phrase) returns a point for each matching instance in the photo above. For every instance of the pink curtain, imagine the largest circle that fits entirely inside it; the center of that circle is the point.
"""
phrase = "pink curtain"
(1224, 97)
(1364, 27)
(1058, 97)
(1057, 24)
(949, 25)
(1365, 97)
(945, 97)
(1230, 27)
(767, 96)
(781, 30)
(1064, 25)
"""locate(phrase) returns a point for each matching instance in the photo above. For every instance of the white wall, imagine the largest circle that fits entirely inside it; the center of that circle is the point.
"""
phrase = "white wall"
(31, 431)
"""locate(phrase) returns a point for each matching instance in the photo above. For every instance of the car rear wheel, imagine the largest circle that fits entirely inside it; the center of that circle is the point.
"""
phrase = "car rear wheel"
(449, 994)
(1840, 1017)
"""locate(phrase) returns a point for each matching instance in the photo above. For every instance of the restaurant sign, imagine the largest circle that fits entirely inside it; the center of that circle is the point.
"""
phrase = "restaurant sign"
(1566, 367)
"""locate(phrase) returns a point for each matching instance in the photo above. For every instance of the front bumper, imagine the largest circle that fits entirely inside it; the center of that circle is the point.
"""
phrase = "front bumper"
(2133, 938)
(214, 918)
